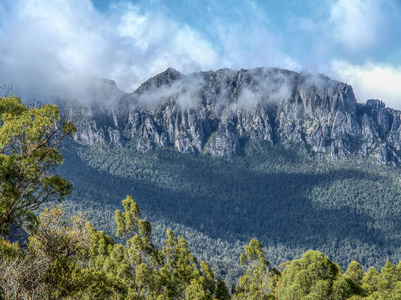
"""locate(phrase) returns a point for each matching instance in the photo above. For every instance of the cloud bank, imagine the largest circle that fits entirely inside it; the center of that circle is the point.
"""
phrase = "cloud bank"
(57, 47)
(372, 81)
(52, 47)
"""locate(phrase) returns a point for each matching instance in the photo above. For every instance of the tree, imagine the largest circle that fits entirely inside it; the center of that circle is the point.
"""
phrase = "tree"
(179, 267)
(139, 252)
(52, 268)
(314, 276)
(221, 291)
(370, 281)
(30, 139)
(355, 272)
(137, 231)
(196, 291)
(389, 285)
(257, 283)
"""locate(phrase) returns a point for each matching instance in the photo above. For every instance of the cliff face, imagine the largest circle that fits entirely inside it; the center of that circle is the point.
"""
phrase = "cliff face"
(226, 113)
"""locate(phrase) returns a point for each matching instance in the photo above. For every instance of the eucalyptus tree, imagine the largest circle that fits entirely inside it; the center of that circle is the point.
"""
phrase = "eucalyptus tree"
(30, 141)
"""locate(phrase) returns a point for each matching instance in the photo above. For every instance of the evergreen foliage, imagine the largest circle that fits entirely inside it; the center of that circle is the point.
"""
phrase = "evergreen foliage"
(30, 139)
(71, 260)
(347, 208)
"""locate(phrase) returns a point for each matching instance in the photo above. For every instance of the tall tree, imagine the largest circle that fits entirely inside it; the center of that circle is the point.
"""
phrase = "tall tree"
(355, 272)
(370, 282)
(221, 291)
(179, 267)
(30, 139)
(258, 282)
(139, 252)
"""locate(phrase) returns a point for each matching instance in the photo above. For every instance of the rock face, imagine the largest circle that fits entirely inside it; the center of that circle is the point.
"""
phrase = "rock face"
(228, 113)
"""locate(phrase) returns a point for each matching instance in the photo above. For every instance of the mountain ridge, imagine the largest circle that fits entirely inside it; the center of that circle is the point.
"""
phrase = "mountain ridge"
(227, 113)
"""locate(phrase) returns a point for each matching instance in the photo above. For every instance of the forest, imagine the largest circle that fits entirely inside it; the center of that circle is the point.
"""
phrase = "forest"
(50, 252)
(347, 208)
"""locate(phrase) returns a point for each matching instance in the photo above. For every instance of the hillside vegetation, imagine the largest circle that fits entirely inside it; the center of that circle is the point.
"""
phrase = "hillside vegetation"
(72, 260)
(348, 208)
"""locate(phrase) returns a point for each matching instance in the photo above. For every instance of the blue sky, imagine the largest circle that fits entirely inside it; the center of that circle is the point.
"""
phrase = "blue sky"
(52, 45)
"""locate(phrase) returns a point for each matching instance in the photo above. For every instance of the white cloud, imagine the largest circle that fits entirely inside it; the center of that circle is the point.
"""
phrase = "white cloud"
(355, 23)
(52, 47)
(372, 81)
(49, 46)
(250, 45)
(154, 42)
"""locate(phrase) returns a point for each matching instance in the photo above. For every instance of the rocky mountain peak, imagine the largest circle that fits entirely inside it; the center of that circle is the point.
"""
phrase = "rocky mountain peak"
(375, 104)
(166, 78)
(234, 112)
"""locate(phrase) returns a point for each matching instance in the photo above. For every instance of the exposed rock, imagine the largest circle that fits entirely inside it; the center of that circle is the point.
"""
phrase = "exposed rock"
(219, 113)
(115, 137)
(88, 133)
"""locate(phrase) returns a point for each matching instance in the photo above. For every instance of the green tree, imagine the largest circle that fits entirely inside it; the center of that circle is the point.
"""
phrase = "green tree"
(139, 252)
(207, 278)
(256, 283)
(221, 291)
(355, 272)
(30, 138)
(389, 283)
(314, 276)
(196, 291)
(179, 267)
(54, 265)
(370, 282)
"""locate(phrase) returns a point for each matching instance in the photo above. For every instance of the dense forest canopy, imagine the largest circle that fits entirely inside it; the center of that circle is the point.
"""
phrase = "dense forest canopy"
(347, 208)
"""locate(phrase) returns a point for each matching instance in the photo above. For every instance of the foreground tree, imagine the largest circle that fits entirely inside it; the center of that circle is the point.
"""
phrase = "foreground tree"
(52, 267)
(386, 285)
(30, 139)
(221, 291)
(139, 252)
(314, 276)
(355, 272)
(259, 281)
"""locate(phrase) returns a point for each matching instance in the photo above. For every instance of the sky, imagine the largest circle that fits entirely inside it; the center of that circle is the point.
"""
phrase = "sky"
(51, 47)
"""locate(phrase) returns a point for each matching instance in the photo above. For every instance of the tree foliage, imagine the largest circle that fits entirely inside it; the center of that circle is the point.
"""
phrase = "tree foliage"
(258, 281)
(313, 203)
(30, 138)
(72, 260)
(316, 277)
(51, 266)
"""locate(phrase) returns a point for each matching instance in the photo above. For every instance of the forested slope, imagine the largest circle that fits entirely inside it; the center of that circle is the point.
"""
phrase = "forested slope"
(347, 207)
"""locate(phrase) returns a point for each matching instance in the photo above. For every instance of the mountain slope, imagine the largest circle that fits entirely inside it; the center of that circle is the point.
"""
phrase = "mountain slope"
(221, 157)
(346, 208)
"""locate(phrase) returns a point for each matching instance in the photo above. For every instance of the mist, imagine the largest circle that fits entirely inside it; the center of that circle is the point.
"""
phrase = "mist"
(60, 48)
(53, 48)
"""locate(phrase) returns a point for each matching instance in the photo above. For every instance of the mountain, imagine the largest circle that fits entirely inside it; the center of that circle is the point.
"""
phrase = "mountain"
(221, 156)
(227, 113)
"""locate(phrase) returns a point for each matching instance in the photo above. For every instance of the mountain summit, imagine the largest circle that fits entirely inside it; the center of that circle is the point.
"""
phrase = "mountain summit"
(227, 113)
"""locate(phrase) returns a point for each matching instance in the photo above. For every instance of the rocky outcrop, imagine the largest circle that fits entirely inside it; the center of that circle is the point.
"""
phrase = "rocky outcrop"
(89, 133)
(227, 113)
